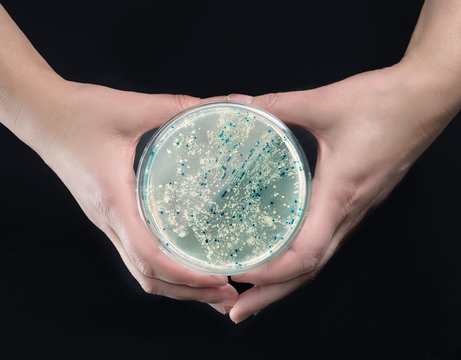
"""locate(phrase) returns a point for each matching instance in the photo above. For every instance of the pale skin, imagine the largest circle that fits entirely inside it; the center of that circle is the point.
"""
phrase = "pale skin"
(370, 127)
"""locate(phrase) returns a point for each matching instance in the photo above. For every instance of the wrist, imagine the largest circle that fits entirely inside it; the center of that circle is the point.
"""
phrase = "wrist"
(28, 100)
(432, 58)
(432, 93)
(442, 81)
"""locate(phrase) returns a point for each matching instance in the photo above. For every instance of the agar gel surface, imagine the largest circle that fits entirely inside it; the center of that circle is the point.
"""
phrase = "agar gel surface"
(225, 188)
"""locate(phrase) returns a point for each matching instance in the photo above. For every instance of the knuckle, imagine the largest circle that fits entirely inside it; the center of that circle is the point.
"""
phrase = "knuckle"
(103, 204)
(346, 196)
(150, 287)
(145, 269)
(182, 102)
(313, 275)
(271, 100)
(309, 263)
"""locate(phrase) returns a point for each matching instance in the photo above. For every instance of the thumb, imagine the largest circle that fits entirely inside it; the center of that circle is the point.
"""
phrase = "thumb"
(306, 109)
(154, 110)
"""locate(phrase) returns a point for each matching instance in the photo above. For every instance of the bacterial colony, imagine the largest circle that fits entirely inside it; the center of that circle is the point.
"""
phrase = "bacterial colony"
(224, 188)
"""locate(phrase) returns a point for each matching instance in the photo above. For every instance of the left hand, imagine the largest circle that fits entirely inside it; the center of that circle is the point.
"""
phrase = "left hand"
(370, 129)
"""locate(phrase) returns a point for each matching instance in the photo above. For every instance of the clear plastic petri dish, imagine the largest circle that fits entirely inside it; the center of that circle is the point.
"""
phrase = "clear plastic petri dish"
(223, 187)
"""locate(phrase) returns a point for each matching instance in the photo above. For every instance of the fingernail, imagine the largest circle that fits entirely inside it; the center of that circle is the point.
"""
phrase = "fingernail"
(218, 308)
(235, 319)
(240, 97)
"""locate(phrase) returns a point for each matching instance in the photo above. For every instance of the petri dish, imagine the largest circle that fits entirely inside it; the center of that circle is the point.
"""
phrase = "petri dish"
(223, 187)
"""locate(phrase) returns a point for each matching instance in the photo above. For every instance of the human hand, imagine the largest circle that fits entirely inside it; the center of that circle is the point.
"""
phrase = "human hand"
(88, 135)
(370, 129)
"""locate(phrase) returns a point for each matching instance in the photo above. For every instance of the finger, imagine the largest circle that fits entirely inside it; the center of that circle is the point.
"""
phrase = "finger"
(343, 231)
(258, 297)
(141, 249)
(240, 97)
(225, 295)
(152, 111)
(303, 256)
(223, 309)
(216, 98)
(235, 97)
(152, 262)
(309, 109)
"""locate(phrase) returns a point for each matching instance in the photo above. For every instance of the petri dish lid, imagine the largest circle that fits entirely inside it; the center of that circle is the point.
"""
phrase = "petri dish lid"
(223, 187)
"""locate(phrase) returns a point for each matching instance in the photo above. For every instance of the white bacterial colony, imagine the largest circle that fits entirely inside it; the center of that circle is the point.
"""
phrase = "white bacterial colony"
(225, 188)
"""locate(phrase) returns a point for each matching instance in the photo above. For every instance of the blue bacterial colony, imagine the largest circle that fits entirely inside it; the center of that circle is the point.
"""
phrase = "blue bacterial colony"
(225, 188)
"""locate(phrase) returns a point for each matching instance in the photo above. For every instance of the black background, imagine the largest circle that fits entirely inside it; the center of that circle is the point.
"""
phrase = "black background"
(392, 291)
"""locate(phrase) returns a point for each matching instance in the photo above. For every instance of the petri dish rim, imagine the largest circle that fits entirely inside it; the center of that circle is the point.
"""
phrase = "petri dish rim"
(150, 225)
